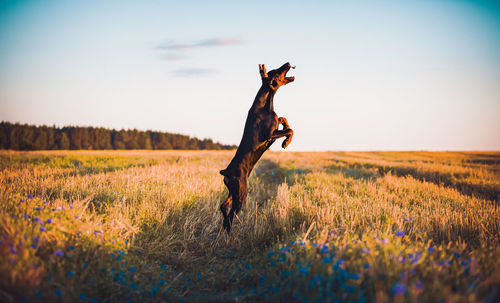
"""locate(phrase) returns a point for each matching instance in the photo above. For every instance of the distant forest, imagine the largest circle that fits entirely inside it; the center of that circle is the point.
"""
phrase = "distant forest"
(31, 137)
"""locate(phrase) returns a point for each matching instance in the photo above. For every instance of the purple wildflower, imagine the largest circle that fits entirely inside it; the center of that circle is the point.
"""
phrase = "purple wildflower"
(400, 233)
(59, 253)
(30, 196)
(42, 228)
(49, 221)
(398, 289)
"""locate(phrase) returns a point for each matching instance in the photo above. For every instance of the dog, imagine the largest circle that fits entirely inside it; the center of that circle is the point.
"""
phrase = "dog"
(261, 130)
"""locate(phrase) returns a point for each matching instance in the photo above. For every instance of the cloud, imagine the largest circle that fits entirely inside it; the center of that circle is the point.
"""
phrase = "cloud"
(174, 56)
(199, 44)
(194, 72)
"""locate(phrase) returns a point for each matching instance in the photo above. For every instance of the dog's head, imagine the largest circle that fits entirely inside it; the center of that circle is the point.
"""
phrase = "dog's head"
(277, 77)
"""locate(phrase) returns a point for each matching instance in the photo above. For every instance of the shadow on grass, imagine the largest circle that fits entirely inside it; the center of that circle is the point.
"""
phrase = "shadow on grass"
(371, 171)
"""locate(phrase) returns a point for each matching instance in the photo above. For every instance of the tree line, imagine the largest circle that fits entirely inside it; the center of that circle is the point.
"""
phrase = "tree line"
(18, 136)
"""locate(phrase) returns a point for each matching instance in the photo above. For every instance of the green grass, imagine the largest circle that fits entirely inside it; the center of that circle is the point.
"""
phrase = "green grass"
(317, 227)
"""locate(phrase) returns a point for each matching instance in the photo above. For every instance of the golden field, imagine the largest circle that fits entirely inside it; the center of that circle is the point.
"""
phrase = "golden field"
(144, 226)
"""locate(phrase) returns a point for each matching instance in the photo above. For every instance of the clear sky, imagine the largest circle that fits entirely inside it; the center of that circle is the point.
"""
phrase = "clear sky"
(371, 75)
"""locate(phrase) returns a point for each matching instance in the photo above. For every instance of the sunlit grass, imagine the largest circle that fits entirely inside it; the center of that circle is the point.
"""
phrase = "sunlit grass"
(145, 226)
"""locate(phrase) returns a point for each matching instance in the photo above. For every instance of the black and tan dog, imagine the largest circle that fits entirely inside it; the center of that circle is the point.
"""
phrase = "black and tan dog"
(261, 130)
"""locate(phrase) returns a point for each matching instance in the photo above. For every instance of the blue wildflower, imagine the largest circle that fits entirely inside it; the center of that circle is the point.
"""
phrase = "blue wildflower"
(154, 289)
(83, 296)
(271, 254)
(34, 246)
(85, 265)
(38, 208)
(71, 274)
(430, 249)
(30, 196)
(133, 285)
(162, 282)
(46, 202)
(457, 255)
(400, 233)
(21, 200)
(327, 259)
(406, 219)
(367, 265)
(419, 285)
(72, 247)
(59, 253)
(58, 292)
(304, 270)
(43, 228)
(26, 217)
(132, 268)
(126, 242)
(286, 273)
(139, 251)
(324, 249)
(49, 220)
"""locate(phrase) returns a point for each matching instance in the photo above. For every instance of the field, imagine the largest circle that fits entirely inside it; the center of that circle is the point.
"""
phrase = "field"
(144, 226)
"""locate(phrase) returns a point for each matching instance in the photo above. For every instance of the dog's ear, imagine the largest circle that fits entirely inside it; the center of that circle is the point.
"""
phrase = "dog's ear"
(262, 71)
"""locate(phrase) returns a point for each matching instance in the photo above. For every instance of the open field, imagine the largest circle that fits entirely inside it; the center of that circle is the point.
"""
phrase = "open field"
(95, 226)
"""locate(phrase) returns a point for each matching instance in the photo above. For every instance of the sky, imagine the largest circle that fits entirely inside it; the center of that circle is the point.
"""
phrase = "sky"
(371, 75)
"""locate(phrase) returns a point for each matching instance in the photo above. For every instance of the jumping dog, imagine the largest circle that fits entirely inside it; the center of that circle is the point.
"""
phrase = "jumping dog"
(261, 130)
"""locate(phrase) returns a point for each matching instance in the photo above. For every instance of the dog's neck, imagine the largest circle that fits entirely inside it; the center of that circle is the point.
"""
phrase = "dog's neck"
(264, 99)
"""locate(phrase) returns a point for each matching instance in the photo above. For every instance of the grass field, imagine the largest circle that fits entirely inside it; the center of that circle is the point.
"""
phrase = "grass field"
(140, 226)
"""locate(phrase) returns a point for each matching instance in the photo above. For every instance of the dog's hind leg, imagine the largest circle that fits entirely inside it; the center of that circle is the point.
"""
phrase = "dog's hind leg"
(224, 208)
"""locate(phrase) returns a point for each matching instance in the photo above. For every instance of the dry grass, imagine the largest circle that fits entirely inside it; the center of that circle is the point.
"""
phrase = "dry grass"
(351, 226)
